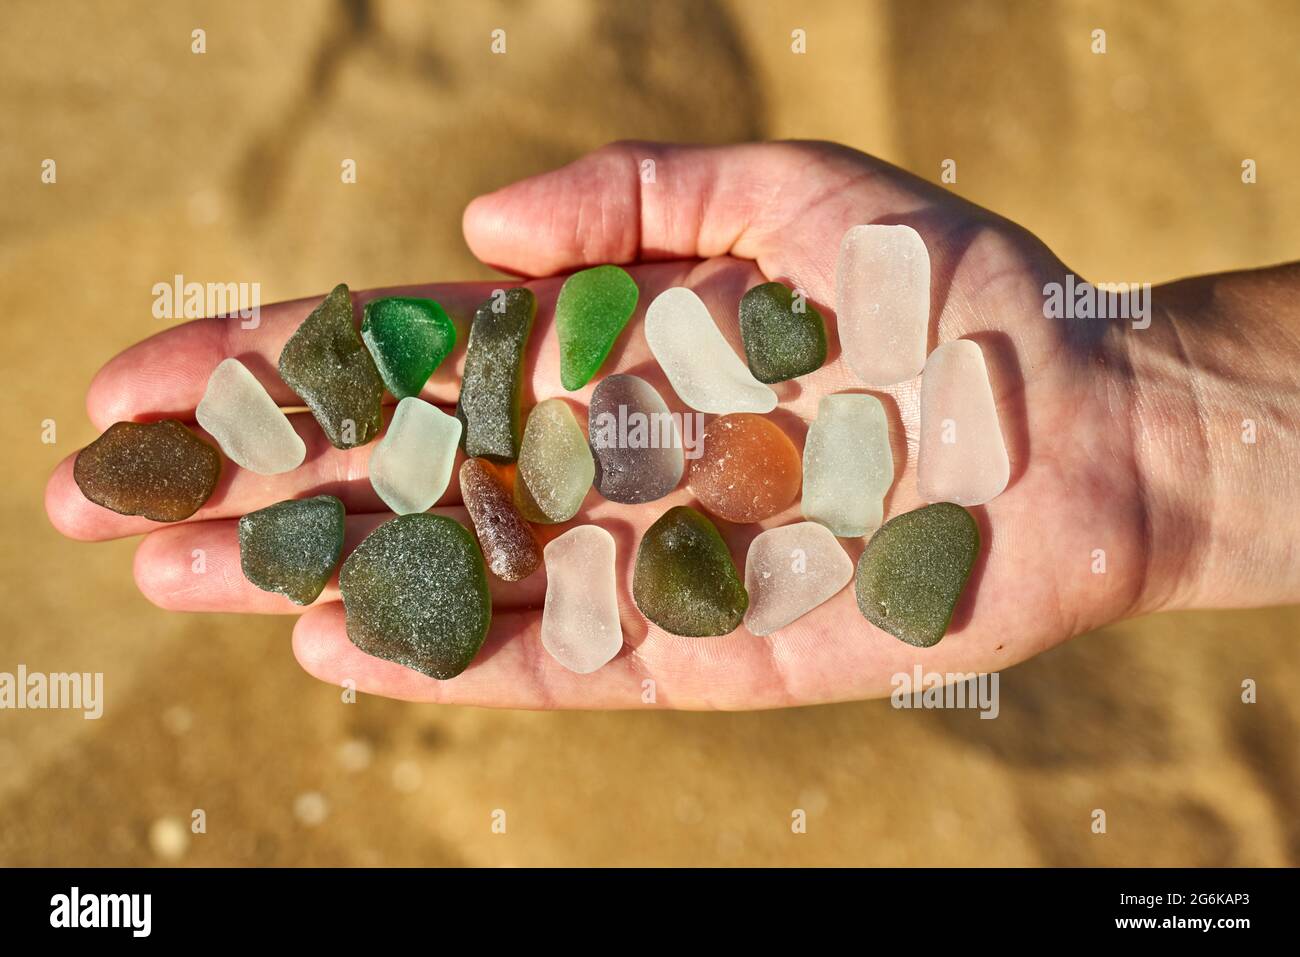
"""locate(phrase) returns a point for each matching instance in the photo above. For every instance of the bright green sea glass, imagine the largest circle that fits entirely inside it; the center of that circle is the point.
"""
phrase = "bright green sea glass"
(593, 308)
(408, 339)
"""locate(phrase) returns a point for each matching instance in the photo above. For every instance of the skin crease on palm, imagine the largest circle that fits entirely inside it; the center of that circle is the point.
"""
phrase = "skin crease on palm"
(1120, 439)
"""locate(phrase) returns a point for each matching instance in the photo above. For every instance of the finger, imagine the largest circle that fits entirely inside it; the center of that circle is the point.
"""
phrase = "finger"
(196, 567)
(784, 205)
(343, 473)
(165, 375)
(832, 655)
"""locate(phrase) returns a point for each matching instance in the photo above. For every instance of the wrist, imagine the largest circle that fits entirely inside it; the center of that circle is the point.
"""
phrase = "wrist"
(1215, 411)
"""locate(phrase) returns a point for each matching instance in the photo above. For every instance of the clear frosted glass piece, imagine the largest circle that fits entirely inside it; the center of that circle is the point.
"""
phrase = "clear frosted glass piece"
(580, 623)
(962, 456)
(882, 302)
(705, 372)
(411, 465)
(250, 428)
(847, 465)
(791, 570)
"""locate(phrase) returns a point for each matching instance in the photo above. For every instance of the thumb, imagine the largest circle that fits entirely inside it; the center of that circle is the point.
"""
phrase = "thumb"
(784, 205)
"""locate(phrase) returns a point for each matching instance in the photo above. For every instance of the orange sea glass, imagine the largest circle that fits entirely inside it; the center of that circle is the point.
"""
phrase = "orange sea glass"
(749, 469)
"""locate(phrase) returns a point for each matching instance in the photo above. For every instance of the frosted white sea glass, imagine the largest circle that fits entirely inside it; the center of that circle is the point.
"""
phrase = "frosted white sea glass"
(704, 371)
(580, 623)
(250, 428)
(882, 302)
(962, 456)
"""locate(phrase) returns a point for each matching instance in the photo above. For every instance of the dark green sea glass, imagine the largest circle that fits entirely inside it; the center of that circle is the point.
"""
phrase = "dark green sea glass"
(416, 593)
(491, 391)
(781, 341)
(914, 569)
(293, 547)
(328, 366)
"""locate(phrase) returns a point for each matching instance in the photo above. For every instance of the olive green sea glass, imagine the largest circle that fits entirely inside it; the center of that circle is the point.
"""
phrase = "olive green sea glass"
(491, 389)
(416, 593)
(293, 547)
(784, 337)
(685, 581)
(408, 338)
(914, 569)
(327, 365)
(160, 470)
(593, 308)
(555, 465)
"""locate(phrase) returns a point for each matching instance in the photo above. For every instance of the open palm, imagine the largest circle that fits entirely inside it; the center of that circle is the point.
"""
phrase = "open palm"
(719, 220)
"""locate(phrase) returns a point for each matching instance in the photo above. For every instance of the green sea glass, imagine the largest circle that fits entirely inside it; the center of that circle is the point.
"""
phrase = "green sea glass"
(593, 308)
(685, 581)
(914, 569)
(408, 338)
(491, 389)
(293, 547)
(327, 365)
(783, 337)
(555, 465)
(160, 470)
(416, 593)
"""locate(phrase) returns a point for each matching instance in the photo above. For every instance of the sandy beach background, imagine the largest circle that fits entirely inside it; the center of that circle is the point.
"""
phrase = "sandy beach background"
(225, 166)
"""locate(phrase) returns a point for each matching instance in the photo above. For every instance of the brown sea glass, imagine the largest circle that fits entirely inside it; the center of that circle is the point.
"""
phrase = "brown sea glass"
(748, 469)
(160, 470)
(508, 544)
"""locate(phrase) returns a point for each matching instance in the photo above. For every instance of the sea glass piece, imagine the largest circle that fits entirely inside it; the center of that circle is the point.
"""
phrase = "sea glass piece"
(704, 371)
(555, 465)
(416, 593)
(748, 469)
(506, 539)
(847, 464)
(914, 569)
(408, 338)
(580, 625)
(783, 334)
(882, 302)
(962, 457)
(293, 547)
(791, 570)
(328, 366)
(491, 389)
(250, 428)
(635, 439)
(160, 470)
(685, 581)
(593, 307)
(411, 465)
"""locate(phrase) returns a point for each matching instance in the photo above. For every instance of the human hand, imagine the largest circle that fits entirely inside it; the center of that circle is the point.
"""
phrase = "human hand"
(1107, 449)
